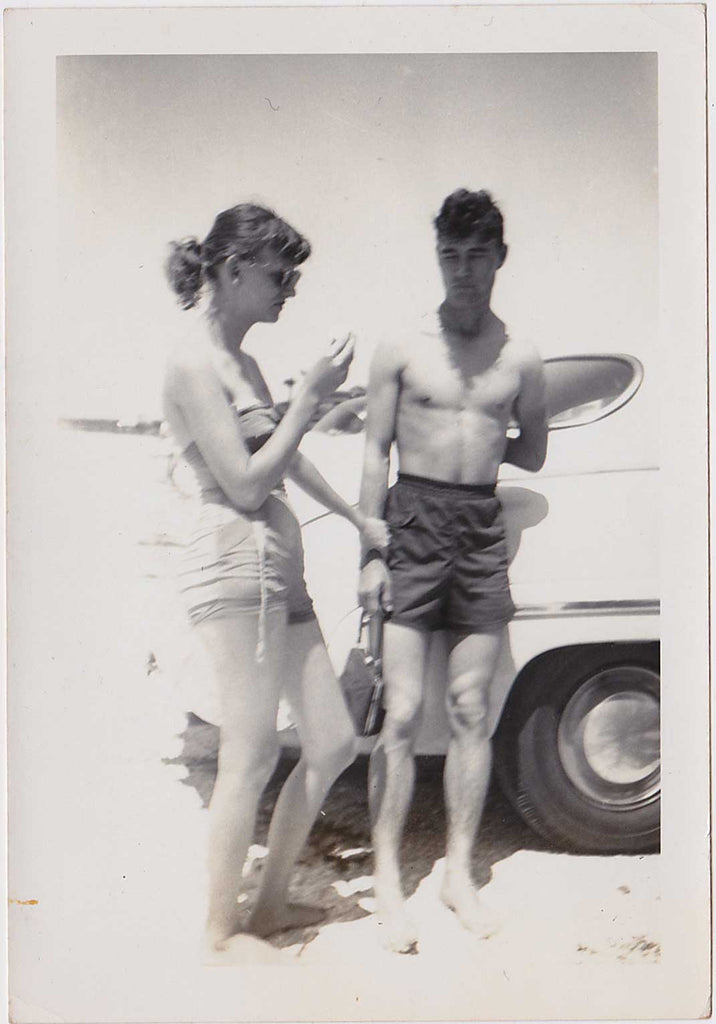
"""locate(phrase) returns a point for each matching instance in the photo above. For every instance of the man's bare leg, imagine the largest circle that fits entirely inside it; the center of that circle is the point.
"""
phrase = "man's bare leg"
(391, 776)
(471, 666)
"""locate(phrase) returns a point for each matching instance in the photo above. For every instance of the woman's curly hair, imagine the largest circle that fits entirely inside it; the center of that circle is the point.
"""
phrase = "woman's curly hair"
(244, 231)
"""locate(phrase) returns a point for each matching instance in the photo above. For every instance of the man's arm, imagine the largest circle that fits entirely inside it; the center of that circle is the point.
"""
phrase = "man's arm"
(382, 406)
(529, 450)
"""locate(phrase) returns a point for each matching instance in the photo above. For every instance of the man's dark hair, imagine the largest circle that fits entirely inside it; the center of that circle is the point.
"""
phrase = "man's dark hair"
(464, 213)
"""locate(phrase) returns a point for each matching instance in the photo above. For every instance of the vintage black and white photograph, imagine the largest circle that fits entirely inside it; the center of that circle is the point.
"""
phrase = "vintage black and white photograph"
(348, 555)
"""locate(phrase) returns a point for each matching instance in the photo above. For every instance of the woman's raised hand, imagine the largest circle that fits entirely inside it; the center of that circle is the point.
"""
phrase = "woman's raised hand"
(329, 372)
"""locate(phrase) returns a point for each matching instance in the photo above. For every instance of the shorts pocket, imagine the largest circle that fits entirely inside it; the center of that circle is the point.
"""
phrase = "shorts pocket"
(406, 519)
(397, 515)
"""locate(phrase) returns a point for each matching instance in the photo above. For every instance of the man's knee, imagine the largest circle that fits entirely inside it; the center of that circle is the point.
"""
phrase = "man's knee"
(468, 708)
(402, 720)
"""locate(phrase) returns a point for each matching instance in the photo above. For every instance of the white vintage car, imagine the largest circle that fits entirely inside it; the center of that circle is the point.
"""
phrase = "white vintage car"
(577, 701)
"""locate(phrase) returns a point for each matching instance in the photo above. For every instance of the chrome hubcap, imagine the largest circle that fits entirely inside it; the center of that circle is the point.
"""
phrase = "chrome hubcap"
(608, 737)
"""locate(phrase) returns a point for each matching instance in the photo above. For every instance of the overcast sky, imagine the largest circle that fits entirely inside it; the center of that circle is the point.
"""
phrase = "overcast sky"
(358, 153)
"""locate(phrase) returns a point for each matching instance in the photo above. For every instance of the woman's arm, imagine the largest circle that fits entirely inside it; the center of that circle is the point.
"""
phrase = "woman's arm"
(303, 473)
(195, 391)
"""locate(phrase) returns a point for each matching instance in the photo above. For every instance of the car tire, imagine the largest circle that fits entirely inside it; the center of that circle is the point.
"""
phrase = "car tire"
(577, 749)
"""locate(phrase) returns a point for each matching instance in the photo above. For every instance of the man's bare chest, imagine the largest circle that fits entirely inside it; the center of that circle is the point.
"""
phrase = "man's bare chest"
(441, 381)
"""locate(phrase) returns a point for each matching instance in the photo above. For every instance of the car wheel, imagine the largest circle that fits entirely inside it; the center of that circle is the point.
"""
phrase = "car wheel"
(578, 748)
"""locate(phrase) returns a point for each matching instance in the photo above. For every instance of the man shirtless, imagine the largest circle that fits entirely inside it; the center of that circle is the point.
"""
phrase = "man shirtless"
(445, 395)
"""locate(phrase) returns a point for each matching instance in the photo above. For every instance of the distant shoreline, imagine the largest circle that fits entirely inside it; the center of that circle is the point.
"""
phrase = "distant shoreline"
(153, 427)
(112, 426)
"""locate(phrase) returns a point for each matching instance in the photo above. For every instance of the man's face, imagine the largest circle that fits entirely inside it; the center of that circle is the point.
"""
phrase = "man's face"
(468, 266)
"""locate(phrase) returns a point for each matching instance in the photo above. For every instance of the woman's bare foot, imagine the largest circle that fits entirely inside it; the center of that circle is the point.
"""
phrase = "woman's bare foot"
(462, 898)
(397, 931)
(269, 920)
(240, 950)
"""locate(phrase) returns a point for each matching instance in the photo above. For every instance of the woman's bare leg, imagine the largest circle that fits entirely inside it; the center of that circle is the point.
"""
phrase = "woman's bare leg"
(248, 751)
(327, 748)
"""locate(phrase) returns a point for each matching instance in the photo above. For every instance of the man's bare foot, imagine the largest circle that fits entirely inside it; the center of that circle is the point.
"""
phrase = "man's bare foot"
(240, 950)
(397, 931)
(267, 921)
(462, 898)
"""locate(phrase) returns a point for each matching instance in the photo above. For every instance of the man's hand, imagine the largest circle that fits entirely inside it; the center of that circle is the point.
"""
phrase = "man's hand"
(374, 587)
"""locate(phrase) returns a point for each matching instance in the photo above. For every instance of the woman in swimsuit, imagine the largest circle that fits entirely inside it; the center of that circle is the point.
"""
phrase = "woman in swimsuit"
(242, 575)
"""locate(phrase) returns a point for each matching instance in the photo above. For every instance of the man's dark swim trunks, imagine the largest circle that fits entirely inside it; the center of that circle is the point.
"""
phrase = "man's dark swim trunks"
(447, 556)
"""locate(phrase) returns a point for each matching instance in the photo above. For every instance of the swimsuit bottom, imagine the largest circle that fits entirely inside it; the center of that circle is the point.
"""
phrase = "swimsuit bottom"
(245, 563)
(447, 556)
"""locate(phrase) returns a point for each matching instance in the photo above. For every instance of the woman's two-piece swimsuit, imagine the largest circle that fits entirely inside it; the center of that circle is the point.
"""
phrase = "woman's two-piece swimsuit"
(238, 562)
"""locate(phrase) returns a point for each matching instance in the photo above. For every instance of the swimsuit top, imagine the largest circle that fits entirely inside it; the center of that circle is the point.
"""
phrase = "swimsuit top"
(257, 423)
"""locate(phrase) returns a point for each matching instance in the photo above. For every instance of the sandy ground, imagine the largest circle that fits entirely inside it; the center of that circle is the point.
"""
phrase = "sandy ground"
(109, 782)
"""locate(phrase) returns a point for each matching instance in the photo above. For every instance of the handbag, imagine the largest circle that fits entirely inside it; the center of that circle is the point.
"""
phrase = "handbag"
(362, 681)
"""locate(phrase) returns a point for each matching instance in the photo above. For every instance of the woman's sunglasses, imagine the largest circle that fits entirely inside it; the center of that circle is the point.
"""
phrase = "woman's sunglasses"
(283, 279)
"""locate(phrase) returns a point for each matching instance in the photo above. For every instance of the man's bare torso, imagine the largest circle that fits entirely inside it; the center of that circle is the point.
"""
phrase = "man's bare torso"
(455, 400)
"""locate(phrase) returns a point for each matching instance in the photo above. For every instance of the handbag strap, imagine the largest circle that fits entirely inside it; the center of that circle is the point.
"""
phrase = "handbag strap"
(372, 625)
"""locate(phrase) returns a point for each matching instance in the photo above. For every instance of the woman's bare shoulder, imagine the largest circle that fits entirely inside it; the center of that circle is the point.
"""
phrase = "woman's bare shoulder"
(189, 368)
(190, 353)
